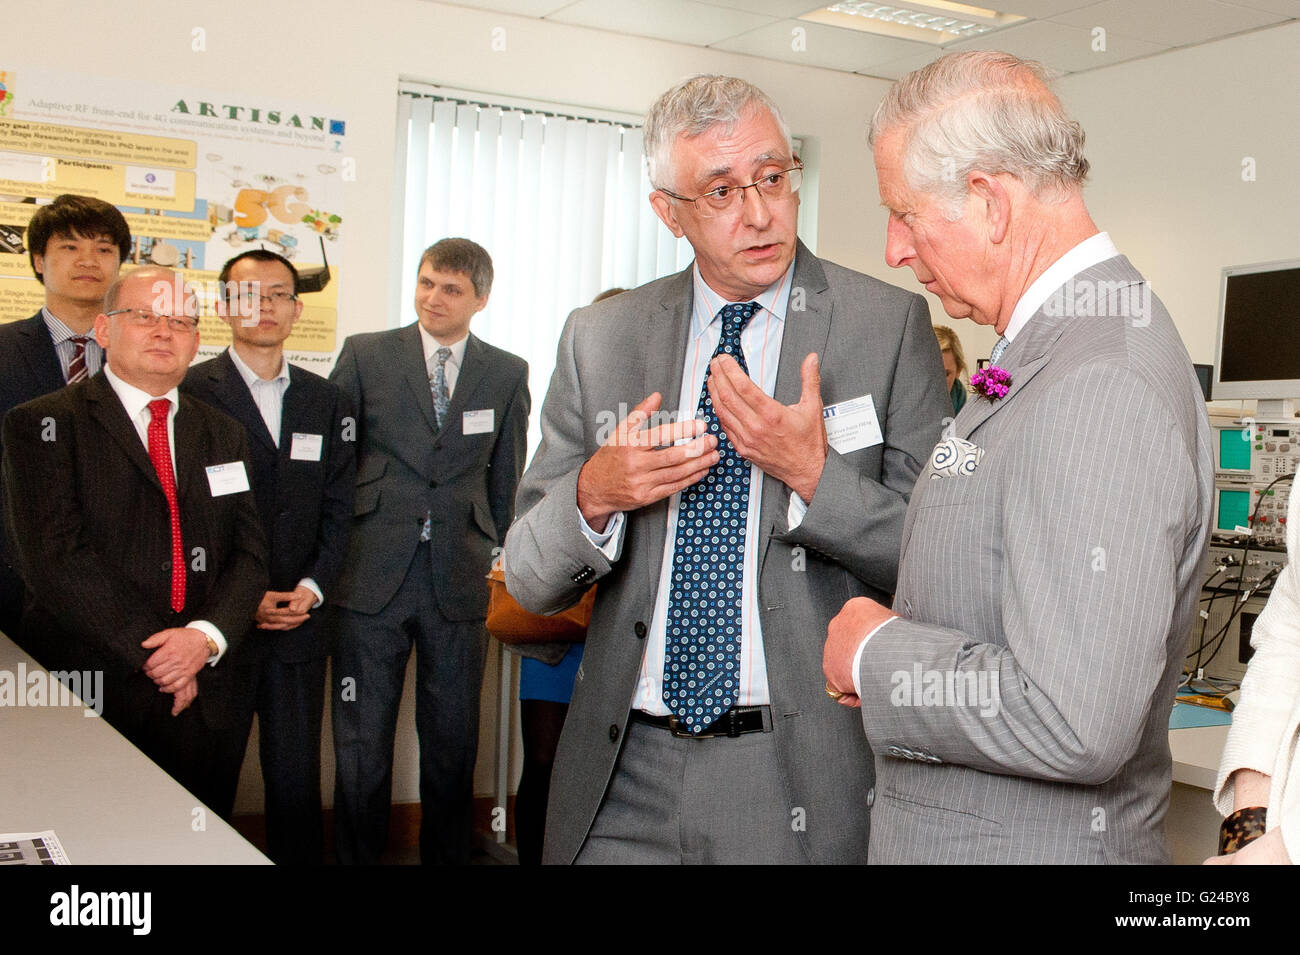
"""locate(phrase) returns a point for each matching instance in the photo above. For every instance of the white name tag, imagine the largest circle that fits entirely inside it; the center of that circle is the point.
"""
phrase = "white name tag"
(478, 422)
(227, 478)
(305, 447)
(852, 425)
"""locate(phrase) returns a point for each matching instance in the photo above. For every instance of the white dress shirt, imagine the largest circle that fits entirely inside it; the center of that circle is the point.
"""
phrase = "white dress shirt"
(1091, 251)
(761, 342)
(450, 371)
(136, 403)
(268, 395)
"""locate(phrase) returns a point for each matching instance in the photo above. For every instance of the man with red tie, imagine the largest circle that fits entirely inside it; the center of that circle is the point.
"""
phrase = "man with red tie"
(137, 534)
(75, 245)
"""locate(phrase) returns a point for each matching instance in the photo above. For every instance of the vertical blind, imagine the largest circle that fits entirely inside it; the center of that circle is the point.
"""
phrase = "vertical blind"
(558, 201)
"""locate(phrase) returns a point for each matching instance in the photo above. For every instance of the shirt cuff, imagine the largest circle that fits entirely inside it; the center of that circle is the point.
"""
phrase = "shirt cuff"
(312, 586)
(857, 657)
(210, 630)
(794, 514)
(608, 542)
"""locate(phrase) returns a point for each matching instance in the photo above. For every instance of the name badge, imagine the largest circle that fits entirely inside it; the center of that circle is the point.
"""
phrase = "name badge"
(305, 447)
(478, 422)
(852, 425)
(227, 478)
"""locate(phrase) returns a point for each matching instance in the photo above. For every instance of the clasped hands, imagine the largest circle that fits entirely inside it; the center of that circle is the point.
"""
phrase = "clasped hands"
(638, 466)
(178, 655)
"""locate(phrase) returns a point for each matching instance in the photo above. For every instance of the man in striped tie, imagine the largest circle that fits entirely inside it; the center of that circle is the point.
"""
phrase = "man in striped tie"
(75, 245)
(137, 534)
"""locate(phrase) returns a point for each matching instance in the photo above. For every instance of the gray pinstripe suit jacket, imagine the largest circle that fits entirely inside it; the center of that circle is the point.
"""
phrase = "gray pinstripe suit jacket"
(1062, 574)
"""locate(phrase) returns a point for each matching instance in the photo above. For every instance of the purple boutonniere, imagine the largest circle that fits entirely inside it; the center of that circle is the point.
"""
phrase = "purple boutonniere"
(992, 382)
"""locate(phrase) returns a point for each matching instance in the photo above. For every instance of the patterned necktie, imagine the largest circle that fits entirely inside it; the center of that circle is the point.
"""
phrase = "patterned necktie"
(998, 349)
(77, 367)
(161, 455)
(438, 383)
(702, 652)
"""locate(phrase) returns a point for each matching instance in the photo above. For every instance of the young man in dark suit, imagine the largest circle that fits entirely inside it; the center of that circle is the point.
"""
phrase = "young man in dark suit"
(302, 467)
(443, 427)
(137, 535)
(75, 245)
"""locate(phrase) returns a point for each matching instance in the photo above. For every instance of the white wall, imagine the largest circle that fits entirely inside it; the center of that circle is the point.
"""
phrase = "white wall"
(1167, 136)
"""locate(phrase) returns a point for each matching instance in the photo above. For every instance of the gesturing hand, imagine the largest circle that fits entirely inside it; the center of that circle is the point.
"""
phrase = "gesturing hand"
(638, 466)
(786, 441)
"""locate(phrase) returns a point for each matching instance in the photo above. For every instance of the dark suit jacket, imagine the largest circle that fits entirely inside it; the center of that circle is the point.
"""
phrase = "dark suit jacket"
(407, 467)
(29, 368)
(305, 506)
(871, 338)
(94, 533)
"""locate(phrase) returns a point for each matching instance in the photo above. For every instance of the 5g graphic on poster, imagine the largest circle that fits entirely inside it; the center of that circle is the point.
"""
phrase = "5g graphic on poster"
(200, 176)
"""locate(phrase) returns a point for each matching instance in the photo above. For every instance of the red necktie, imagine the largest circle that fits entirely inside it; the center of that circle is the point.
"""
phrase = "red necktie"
(77, 367)
(161, 454)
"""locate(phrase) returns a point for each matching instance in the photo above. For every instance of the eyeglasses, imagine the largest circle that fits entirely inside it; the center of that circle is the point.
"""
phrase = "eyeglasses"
(275, 298)
(142, 318)
(773, 187)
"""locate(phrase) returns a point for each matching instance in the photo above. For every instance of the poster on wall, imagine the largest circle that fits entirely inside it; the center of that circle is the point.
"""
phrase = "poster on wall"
(200, 177)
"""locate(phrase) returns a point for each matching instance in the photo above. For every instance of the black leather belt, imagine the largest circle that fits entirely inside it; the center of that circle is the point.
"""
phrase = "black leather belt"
(737, 721)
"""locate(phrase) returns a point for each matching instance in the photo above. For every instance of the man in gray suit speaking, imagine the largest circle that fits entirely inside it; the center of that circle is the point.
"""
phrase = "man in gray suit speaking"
(805, 399)
(1017, 698)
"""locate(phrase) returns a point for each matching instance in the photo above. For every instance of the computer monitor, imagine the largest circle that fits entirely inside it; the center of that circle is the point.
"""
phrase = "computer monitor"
(1259, 324)
(1232, 507)
(1234, 451)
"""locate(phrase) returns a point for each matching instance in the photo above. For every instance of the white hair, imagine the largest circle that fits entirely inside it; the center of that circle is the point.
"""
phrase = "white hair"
(987, 111)
(695, 106)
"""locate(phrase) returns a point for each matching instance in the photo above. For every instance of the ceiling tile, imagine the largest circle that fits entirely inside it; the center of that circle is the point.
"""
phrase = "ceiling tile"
(822, 46)
(1286, 8)
(681, 21)
(523, 8)
(1037, 9)
(1065, 49)
(1169, 22)
(772, 8)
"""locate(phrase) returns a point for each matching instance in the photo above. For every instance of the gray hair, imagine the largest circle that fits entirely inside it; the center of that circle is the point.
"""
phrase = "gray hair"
(692, 108)
(987, 111)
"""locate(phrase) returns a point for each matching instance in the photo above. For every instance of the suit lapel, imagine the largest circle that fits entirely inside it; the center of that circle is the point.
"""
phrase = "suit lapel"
(410, 361)
(662, 341)
(293, 409)
(108, 411)
(807, 329)
(233, 391)
(39, 353)
(473, 368)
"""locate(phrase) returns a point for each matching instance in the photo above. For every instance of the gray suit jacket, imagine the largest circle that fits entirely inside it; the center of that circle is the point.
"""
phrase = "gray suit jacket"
(1062, 577)
(407, 466)
(873, 339)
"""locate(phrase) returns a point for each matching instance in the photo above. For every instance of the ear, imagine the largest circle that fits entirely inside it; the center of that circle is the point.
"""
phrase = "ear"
(38, 264)
(101, 330)
(992, 192)
(482, 303)
(663, 207)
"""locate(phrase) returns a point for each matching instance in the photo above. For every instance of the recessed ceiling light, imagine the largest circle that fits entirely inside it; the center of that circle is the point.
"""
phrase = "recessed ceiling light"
(934, 21)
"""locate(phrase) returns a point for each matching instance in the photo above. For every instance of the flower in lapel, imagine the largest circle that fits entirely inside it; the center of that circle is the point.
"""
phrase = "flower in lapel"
(991, 382)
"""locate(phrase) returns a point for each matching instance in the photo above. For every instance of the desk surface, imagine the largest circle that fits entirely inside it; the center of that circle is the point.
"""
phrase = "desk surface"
(1196, 753)
(106, 801)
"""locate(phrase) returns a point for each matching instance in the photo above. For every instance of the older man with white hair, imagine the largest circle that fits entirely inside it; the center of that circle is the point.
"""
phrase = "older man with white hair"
(1017, 697)
(803, 399)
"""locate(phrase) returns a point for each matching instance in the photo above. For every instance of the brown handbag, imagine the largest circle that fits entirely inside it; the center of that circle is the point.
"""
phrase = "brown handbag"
(511, 623)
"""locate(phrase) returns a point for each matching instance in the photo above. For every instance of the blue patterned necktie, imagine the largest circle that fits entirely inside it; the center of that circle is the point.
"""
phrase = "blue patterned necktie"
(702, 651)
(438, 384)
(998, 349)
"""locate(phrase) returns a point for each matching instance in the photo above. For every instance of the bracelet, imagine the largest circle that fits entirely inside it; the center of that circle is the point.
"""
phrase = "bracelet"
(1241, 828)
